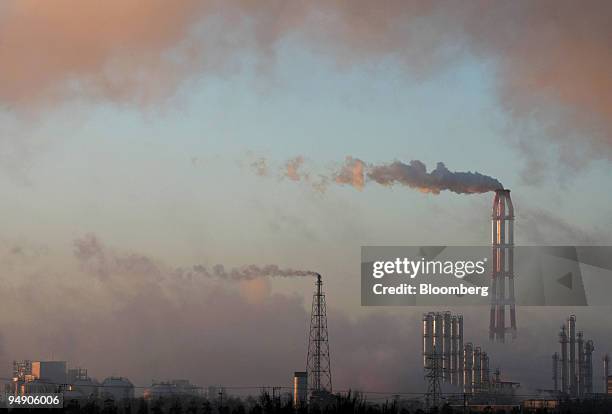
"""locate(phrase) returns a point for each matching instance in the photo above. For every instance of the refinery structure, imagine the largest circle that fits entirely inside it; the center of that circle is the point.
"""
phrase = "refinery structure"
(573, 367)
(448, 360)
(457, 372)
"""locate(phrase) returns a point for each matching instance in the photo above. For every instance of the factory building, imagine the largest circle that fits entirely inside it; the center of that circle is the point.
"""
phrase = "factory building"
(575, 362)
(37, 377)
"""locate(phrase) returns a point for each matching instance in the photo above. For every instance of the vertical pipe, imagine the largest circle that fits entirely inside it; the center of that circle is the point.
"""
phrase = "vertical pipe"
(454, 350)
(446, 346)
(581, 371)
(428, 339)
(476, 370)
(571, 329)
(588, 364)
(460, 361)
(468, 355)
(555, 371)
(564, 362)
(484, 372)
(438, 342)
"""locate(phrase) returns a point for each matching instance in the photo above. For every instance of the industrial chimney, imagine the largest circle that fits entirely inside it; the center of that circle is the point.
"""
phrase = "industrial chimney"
(502, 276)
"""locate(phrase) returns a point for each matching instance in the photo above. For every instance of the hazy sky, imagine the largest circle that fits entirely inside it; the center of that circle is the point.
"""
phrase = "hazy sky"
(138, 127)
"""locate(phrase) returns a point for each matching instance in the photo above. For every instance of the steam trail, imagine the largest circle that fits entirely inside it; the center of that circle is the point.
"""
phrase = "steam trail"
(415, 175)
(357, 173)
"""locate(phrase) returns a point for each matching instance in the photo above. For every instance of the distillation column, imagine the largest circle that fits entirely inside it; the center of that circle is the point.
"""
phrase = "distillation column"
(502, 276)
(564, 364)
(588, 366)
(580, 362)
(555, 371)
(454, 357)
(477, 370)
(571, 331)
(468, 361)
(446, 347)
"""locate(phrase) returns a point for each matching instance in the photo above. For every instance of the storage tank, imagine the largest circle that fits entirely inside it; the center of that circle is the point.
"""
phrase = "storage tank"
(300, 388)
(86, 386)
(117, 388)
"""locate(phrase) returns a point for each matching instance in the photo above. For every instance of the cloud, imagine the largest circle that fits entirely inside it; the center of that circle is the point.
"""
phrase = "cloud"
(352, 173)
(260, 167)
(292, 169)
(541, 226)
(552, 58)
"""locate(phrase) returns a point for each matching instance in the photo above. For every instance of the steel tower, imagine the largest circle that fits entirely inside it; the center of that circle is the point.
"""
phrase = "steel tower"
(318, 360)
(502, 276)
(433, 374)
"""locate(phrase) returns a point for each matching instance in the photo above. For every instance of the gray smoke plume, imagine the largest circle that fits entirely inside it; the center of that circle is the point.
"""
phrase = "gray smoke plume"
(248, 272)
(357, 173)
(415, 175)
(98, 260)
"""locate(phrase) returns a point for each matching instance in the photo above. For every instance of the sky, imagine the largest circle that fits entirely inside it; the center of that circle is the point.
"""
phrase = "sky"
(134, 129)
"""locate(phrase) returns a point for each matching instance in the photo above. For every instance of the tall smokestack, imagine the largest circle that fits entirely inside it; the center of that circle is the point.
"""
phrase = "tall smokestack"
(502, 276)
